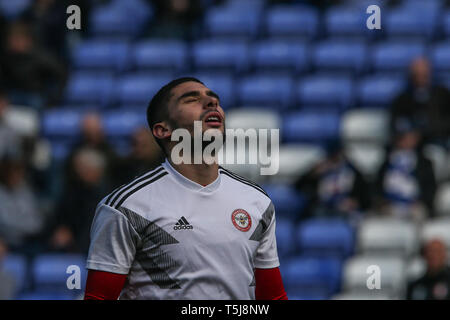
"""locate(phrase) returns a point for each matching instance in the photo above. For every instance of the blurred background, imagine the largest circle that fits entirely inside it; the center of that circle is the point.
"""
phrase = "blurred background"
(364, 119)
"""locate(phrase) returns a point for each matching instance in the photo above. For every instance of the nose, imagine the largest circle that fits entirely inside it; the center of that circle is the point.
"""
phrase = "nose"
(211, 102)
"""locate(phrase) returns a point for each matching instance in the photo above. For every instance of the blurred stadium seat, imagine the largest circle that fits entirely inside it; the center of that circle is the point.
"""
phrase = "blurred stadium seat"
(442, 200)
(120, 19)
(295, 160)
(309, 126)
(325, 237)
(89, 89)
(13, 9)
(61, 123)
(232, 21)
(440, 160)
(287, 200)
(378, 90)
(440, 57)
(277, 55)
(122, 123)
(163, 54)
(411, 21)
(37, 295)
(245, 119)
(138, 88)
(219, 54)
(314, 276)
(107, 55)
(366, 157)
(268, 90)
(392, 270)
(50, 275)
(340, 55)
(388, 237)
(285, 236)
(16, 265)
(345, 21)
(446, 22)
(292, 21)
(396, 56)
(365, 125)
(325, 90)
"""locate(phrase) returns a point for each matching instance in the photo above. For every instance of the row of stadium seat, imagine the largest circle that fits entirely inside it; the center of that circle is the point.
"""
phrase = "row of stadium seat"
(347, 55)
(328, 92)
(315, 255)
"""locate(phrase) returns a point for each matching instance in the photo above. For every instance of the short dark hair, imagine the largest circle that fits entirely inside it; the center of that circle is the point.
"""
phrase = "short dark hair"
(157, 108)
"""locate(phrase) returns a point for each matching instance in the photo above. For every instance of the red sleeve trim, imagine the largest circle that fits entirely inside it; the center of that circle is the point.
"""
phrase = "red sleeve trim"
(269, 285)
(102, 285)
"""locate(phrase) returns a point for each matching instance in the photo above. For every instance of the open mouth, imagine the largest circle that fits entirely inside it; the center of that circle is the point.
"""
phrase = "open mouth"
(213, 119)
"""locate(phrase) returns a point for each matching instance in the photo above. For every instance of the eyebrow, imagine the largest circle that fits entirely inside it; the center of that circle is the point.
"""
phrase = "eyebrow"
(197, 94)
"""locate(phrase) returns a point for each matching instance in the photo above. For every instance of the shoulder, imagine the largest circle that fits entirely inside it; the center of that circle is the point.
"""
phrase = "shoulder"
(243, 183)
(127, 191)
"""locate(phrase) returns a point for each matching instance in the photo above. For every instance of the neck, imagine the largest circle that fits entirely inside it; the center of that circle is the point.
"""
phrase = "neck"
(202, 174)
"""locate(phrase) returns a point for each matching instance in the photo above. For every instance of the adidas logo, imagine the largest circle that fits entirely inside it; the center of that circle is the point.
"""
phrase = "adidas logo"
(183, 224)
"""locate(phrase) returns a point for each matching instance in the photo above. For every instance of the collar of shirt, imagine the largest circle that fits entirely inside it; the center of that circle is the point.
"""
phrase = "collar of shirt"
(192, 185)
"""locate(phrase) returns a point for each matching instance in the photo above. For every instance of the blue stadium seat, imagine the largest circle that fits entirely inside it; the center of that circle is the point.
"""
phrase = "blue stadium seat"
(319, 277)
(379, 90)
(288, 202)
(222, 84)
(325, 237)
(232, 21)
(440, 57)
(138, 89)
(285, 234)
(310, 126)
(160, 54)
(279, 54)
(395, 55)
(325, 90)
(38, 295)
(61, 123)
(122, 123)
(346, 21)
(289, 20)
(411, 22)
(124, 19)
(265, 90)
(340, 55)
(101, 54)
(16, 265)
(246, 5)
(13, 9)
(88, 88)
(220, 54)
(49, 271)
(446, 23)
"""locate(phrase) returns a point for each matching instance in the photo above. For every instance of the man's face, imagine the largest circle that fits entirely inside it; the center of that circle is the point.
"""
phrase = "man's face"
(192, 101)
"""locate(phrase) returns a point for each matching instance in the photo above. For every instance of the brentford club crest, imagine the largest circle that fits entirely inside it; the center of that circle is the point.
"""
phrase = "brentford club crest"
(241, 220)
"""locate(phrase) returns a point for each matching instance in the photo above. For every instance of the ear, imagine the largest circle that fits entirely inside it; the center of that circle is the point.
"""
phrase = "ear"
(161, 130)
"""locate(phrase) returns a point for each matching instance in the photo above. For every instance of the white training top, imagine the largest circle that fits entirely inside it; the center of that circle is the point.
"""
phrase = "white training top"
(176, 239)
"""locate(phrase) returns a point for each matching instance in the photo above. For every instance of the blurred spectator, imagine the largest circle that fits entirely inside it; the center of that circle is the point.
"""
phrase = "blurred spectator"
(425, 104)
(10, 141)
(406, 183)
(47, 18)
(93, 137)
(435, 284)
(74, 214)
(8, 285)
(32, 76)
(334, 187)
(176, 18)
(144, 156)
(20, 218)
